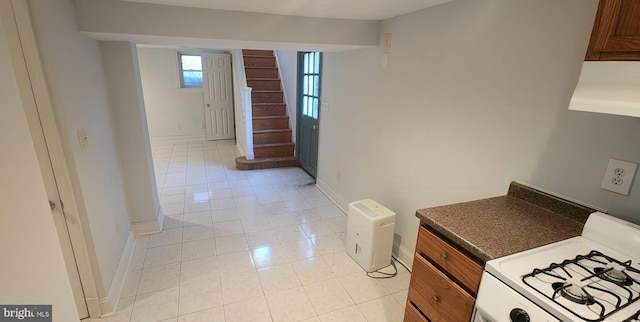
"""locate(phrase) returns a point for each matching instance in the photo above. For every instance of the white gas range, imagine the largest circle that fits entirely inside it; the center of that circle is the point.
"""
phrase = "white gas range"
(593, 277)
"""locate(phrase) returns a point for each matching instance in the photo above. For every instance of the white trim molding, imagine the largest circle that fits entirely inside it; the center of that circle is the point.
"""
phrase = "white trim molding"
(109, 304)
(241, 148)
(149, 227)
(404, 256)
(337, 199)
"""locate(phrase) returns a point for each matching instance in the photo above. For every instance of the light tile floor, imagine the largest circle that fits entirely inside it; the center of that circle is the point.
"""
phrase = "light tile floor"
(261, 245)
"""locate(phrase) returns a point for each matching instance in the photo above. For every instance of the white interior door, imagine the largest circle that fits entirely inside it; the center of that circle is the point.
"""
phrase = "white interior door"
(218, 96)
(35, 98)
(60, 220)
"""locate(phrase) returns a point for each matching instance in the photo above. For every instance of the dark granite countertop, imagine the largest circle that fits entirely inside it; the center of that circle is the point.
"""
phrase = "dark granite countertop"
(523, 219)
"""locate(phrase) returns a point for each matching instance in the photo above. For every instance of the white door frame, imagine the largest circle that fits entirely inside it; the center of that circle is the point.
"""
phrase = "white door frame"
(40, 116)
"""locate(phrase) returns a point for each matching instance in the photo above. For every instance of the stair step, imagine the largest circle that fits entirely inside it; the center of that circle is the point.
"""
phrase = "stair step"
(265, 163)
(271, 136)
(269, 109)
(267, 96)
(257, 52)
(262, 72)
(269, 150)
(259, 61)
(264, 84)
(270, 122)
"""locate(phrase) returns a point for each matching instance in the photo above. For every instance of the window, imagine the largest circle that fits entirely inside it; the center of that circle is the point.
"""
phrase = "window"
(190, 70)
(311, 84)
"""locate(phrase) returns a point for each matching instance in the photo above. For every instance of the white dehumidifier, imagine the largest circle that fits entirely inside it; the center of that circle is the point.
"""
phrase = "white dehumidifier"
(370, 228)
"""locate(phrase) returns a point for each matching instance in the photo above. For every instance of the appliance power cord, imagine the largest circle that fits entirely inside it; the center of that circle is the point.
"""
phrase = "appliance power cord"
(384, 275)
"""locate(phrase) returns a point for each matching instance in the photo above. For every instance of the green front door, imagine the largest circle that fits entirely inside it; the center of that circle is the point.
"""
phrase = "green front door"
(309, 67)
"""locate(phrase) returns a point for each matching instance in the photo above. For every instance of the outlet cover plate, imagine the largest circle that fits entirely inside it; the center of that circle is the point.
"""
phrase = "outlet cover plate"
(619, 176)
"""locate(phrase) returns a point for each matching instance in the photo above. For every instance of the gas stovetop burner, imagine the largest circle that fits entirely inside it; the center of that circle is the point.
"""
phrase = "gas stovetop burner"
(573, 293)
(592, 286)
(614, 275)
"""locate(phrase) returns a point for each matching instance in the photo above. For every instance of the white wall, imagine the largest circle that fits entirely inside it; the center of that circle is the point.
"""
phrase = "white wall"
(75, 76)
(288, 65)
(475, 95)
(120, 20)
(173, 113)
(33, 269)
(123, 79)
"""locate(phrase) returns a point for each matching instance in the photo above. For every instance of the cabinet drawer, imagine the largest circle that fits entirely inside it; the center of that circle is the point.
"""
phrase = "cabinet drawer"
(460, 266)
(412, 315)
(439, 298)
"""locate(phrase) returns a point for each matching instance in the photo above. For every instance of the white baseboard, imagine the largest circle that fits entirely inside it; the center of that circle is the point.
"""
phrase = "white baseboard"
(93, 305)
(109, 304)
(158, 139)
(241, 148)
(150, 226)
(337, 199)
(404, 256)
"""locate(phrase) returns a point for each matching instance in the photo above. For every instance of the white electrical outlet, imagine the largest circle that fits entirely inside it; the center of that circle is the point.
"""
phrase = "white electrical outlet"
(619, 176)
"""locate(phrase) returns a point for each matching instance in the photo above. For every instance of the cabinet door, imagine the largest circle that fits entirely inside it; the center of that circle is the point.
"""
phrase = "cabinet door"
(616, 31)
(450, 260)
(438, 297)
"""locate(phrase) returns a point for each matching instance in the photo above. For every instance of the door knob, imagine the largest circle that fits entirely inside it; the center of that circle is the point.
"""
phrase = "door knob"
(315, 127)
(52, 205)
(208, 105)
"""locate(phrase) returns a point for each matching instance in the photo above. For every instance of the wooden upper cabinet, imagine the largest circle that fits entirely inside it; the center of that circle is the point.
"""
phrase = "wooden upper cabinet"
(616, 31)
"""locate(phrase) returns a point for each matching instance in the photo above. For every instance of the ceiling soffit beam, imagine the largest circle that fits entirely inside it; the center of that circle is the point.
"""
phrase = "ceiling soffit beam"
(142, 19)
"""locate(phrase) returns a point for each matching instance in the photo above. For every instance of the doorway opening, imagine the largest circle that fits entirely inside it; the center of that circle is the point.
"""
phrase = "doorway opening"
(188, 94)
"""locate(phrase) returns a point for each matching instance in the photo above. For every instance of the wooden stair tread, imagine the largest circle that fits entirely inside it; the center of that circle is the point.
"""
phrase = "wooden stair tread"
(260, 67)
(271, 131)
(255, 160)
(266, 163)
(259, 52)
(273, 145)
(267, 91)
(270, 117)
(257, 56)
(267, 104)
(262, 79)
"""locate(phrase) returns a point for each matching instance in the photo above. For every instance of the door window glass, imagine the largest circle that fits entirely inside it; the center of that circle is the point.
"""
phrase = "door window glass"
(311, 84)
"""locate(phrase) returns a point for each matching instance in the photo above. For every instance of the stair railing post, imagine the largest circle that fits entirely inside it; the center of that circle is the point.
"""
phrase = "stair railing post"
(248, 118)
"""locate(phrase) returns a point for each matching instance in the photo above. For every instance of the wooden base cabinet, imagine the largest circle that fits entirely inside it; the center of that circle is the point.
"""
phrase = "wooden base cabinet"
(444, 281)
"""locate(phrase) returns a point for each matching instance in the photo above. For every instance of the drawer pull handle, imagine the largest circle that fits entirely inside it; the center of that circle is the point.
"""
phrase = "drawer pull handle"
(443, 257)
(435, 300)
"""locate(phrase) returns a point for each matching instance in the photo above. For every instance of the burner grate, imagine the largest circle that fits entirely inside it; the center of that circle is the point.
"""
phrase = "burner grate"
(633, 318)
(591, 287)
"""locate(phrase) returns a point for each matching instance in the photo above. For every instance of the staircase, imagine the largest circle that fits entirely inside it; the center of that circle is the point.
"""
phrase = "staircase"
(272, 145)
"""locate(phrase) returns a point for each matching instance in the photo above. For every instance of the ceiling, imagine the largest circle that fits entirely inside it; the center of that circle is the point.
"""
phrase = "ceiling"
(345, 9)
